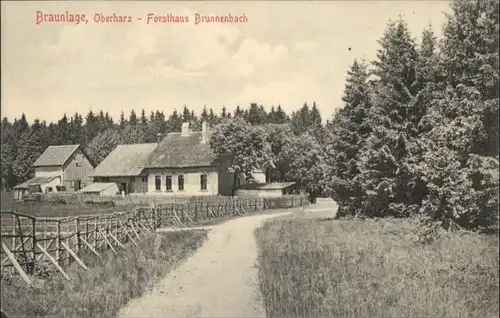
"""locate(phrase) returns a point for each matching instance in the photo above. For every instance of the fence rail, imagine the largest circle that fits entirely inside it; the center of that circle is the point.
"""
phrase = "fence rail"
(29, 241)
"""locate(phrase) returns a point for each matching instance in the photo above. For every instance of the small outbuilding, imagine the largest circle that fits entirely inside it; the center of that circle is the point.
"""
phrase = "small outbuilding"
(275, 189)
(37, 185)
(101, 189)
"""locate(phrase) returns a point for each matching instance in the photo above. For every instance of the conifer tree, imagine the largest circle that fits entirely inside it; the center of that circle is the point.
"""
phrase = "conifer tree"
(301, 120)
(346, 136)
(223, 113)
(281, 116)
(123, 121)
(460, 164)
(144, 119)
(385, 175)
(238, 113)
(204, 114)
(132, 118)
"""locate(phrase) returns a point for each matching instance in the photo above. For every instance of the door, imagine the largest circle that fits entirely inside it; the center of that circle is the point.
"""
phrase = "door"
(124, 187)
(78, 185)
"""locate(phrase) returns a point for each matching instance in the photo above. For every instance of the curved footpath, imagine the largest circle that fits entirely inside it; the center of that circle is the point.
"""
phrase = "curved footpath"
(219, 280)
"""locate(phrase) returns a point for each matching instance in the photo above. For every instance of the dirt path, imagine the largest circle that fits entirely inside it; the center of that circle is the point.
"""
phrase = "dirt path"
(220, 280)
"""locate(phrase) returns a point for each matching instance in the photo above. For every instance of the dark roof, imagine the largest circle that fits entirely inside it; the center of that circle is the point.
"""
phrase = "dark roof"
(266, 186)
(55, 155)
(124, 160)
(177, 151)
(35, 181)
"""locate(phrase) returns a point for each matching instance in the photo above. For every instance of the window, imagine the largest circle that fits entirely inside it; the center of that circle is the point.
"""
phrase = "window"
(168, 183)
(132, 179)
(49, 189)
(180, 182)
(145, 179)
(78, 164)
(60, 188)
(157, 183)
(203, 182)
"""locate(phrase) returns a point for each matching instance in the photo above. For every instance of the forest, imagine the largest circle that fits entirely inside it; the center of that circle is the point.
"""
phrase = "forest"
(417, 133)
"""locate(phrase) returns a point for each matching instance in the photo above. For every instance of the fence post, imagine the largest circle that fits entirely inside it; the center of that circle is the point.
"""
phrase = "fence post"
(95, 232)
(153, 219)
(34, 245)
(13, 232)
(58, 243)
(87, 231)
(77, 227)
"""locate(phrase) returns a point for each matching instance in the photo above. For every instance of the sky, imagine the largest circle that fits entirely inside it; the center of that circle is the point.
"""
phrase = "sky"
(286, 53)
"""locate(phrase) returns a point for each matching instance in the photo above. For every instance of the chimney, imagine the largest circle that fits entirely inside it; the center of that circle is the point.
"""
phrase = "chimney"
(204, 132)
(185, 129)
(159, 137)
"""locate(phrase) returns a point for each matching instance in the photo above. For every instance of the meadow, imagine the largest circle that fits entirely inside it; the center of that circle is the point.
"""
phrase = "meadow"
(58, 209)
(107, 286)
(318, 266)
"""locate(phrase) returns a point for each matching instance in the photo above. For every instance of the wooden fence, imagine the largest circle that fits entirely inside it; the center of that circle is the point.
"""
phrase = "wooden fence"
(118, 200)
(203, 208)
(28, 241)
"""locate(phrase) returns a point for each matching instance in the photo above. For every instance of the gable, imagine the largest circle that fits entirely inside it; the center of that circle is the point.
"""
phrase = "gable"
(56, 155)
(82, 153)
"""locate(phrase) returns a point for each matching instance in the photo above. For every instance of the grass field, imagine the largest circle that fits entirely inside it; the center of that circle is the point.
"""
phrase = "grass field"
(107, 286)
(46, 208)
(354, 268)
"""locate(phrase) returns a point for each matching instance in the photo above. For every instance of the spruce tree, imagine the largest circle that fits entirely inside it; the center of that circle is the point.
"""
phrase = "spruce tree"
(385, 173)
(144, 119)
(132, 118)
(281, 116)
(238, 112)
(123, 121)
(460, 164)
(347, 133)
(223, 112)
(301, 120)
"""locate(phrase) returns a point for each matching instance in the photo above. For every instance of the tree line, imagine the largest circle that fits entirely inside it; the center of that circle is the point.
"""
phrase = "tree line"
(418, 133)
(99, 133)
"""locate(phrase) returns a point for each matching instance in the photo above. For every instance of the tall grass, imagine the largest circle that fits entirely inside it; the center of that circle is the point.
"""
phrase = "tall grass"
(107, 286)
(372, 268)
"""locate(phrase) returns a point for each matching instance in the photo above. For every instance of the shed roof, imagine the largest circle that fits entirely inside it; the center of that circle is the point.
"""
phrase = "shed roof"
(178, 151)
(124, 160)
(98, 187)
(35, 181)
(266, 186)
(55, 155)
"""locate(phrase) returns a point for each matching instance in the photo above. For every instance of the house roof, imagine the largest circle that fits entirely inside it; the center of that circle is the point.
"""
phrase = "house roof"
(98, 187)
(266, 186)
(55, 155)
(35, 181)
(124, 160)
(177, 151)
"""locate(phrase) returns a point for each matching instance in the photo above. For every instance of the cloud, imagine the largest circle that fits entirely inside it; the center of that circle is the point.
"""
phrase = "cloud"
(305, 46)
(299, 55)
(252, 54)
